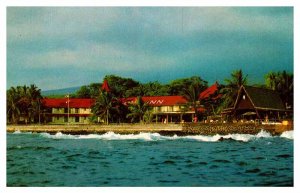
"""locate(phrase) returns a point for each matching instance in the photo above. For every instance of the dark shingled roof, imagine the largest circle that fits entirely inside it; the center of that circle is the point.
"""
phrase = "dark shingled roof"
(264, 98)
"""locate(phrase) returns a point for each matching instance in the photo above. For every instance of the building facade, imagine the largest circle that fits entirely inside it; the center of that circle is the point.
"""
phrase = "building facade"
(253, 103)
(64, 110)
(165, 109)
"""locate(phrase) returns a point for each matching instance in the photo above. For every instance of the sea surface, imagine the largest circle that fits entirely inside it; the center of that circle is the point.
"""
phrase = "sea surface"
(147, 160)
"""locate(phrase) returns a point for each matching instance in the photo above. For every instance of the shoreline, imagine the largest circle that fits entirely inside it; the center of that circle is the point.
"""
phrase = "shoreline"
(162, 129)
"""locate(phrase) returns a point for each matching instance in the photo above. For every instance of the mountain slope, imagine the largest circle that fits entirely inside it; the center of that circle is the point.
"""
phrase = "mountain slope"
(63, 91)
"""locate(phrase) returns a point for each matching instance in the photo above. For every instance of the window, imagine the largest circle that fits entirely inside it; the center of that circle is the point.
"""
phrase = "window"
(65, 110)
(76, 119)
(65, 119)
(57, 118)
(76, 110)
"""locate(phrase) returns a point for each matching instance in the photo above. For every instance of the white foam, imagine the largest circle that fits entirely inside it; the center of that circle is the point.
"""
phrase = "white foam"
(17, 132)
(156, 136)
(115, 136)
(203, 137)
(237, 137)
(58, 135)
(288, 134)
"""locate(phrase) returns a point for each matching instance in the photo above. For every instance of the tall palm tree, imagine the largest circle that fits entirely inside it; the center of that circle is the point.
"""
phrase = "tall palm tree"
(13, 110)
(34, 96)
(283, 83)
(271, 80)
(191, 93)
(23, 101)
(230, 91)
(138, 109)
(104, 105)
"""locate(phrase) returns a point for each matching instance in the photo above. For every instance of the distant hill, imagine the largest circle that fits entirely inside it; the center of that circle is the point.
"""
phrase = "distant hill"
(63, 91)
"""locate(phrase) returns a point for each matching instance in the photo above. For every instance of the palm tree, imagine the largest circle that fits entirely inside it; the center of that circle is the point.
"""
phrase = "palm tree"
(283, 83)
(230, 91)
(23, 101)
(34, 96)
(138, 109)
(13, 110)
(271, 80)
(192, 95)
(103, 106)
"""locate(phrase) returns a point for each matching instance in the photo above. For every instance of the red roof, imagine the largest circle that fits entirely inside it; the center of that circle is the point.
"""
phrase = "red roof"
(158, 100)
(105, 86)
(73, 103)
(209, 91)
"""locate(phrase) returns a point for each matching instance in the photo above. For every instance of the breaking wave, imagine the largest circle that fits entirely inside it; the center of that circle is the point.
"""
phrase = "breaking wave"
(288, 134)
(19, 132)
(157, 136)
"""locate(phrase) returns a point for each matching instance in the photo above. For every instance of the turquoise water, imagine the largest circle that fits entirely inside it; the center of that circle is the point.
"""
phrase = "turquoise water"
(149, 160)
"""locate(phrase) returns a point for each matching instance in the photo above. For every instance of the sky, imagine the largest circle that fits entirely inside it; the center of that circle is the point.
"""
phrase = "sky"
(60, 47)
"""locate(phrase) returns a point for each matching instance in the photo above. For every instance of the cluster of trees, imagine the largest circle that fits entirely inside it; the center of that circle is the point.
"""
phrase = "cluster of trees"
(283, 83)
(127, 87)
(23, 101)
(109, 108)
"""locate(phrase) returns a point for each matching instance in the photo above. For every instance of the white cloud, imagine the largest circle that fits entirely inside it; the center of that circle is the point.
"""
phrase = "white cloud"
(58, 22)
(98, 56)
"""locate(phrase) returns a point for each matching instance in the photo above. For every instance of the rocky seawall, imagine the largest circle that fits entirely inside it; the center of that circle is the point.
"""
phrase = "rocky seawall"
(163, 129)
(231, 128)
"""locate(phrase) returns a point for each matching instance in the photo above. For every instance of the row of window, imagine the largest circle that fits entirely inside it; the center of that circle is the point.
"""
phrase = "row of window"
(168, 108)
(70, 109)
(76, 119)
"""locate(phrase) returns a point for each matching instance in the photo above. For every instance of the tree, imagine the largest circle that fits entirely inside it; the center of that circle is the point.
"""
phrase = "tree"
(230, 91)
(271, 80)
(13, 110)
(90, 91)
(155, 89)
(283, 83)
(120, 85)
(177, 86)
(83, 92)
(191, 93)
(103, 106)
(23, 101)
(138, 109)
(34, 96)
(213, 102)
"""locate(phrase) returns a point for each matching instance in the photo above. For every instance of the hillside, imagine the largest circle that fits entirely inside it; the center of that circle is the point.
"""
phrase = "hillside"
(63, 91)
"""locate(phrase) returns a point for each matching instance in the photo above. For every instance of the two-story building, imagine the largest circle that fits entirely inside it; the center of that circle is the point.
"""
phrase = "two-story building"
(168, 109)
(64, 110)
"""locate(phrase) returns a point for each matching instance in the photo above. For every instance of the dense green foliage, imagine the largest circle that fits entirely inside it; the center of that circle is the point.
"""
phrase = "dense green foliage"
(127, 87)
(192, 91)
(230, 91)
(90, 91)
(104, 106)
(23, 102)
(138, 110)
(283, 83)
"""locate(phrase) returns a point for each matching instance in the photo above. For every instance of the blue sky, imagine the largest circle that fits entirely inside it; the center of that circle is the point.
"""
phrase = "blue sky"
(61, 47)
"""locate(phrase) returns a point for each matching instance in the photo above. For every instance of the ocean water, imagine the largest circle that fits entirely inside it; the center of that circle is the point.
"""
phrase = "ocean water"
(147, 160)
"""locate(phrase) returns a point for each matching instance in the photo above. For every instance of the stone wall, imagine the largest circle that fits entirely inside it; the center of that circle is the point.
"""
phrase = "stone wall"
(231, 128)
(164, 129)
